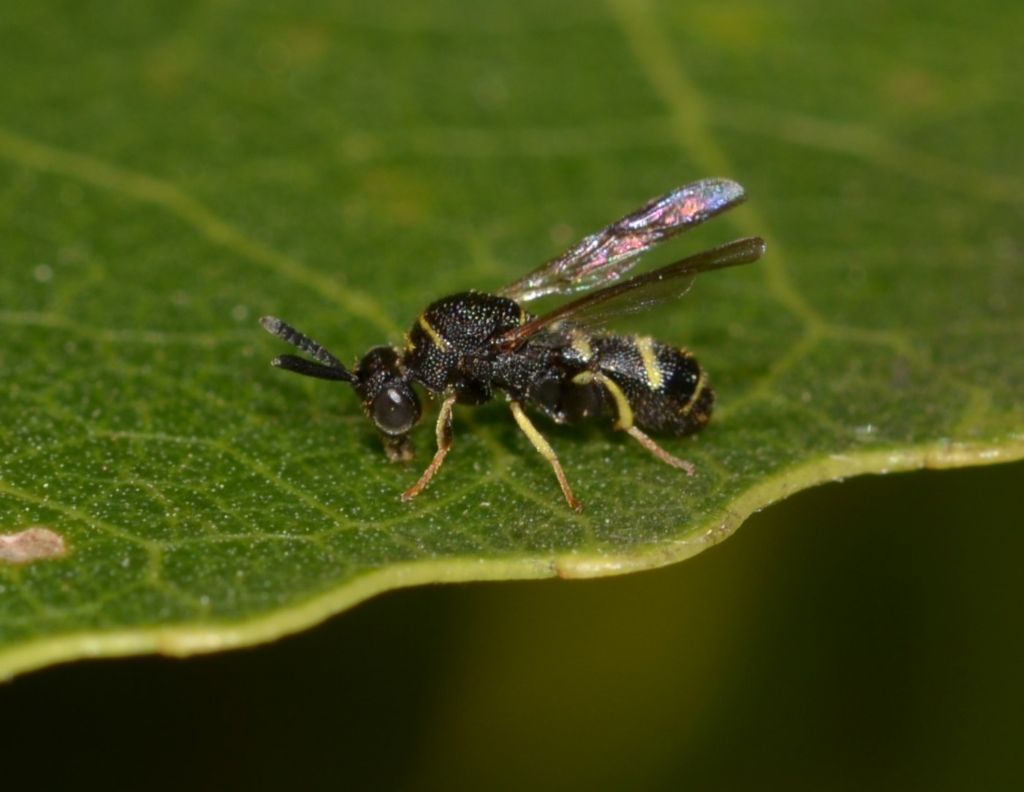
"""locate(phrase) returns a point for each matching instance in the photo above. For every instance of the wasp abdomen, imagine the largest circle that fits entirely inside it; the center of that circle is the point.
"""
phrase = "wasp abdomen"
(653, 385)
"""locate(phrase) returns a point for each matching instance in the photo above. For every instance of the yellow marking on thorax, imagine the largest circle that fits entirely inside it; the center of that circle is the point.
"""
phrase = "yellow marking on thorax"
(645, 346)
(702, 382)
(622, 406)
(428, 328)
(581, 343)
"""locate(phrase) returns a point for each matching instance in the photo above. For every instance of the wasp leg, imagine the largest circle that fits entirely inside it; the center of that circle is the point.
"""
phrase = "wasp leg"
(625, 423)
(546, 451)
(444, 444)
(660, 452)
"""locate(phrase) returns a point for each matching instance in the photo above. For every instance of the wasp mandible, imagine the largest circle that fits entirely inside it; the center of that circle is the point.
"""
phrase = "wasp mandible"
(465, 347)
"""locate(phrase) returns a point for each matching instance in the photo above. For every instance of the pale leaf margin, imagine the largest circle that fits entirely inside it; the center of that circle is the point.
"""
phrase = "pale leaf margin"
(180, 640)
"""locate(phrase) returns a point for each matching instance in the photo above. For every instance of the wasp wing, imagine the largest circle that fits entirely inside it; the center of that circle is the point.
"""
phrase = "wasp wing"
(639, 293)
(610, 253)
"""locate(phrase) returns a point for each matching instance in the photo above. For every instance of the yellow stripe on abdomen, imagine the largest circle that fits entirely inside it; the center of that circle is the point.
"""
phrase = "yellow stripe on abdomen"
(645, 346)
(702, 382)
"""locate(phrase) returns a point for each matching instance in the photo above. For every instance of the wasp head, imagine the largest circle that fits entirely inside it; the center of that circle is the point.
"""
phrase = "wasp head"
(383, 387)
(388, 399)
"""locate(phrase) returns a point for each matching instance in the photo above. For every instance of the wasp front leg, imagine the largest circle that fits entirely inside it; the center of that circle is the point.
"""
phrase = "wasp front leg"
(444, 445)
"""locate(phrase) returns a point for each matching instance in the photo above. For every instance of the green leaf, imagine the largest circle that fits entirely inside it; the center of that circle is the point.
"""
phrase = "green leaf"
(172, 171)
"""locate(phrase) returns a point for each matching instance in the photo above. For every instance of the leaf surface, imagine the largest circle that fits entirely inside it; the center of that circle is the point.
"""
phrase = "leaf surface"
(170, 172)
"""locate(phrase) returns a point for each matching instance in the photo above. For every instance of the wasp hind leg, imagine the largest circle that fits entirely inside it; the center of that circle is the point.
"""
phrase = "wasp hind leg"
(660, 452)
(625, 423)
(444, 445)
(546, 451)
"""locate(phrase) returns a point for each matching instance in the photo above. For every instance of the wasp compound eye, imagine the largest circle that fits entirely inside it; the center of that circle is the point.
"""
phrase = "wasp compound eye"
(395, 411)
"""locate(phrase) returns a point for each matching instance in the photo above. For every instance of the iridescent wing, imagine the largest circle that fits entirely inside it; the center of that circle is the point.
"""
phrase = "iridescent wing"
(639, 293)
(607, 255)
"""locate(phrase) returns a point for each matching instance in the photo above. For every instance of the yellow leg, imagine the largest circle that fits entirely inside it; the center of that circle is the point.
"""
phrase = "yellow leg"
(625, 423)
(546, 451)
(444, 444)
(660, 452)
(622, 407)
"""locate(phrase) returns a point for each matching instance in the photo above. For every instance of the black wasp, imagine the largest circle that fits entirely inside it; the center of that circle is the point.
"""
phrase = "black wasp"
(464, 347)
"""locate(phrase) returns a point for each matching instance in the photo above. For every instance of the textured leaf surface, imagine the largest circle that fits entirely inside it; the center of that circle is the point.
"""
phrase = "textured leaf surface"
(171, 171)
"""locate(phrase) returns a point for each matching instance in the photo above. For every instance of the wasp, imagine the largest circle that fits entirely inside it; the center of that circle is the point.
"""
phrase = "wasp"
(465, 347)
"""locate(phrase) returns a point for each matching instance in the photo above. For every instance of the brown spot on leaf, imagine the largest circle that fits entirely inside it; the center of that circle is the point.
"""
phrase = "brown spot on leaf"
(35, 543)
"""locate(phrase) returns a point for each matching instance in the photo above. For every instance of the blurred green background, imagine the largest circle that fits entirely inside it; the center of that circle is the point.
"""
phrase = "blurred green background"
(863, 635)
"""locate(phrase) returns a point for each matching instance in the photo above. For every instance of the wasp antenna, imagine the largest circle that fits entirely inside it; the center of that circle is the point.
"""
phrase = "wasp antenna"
(310, 369)
(325, 359)
(271, 324)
